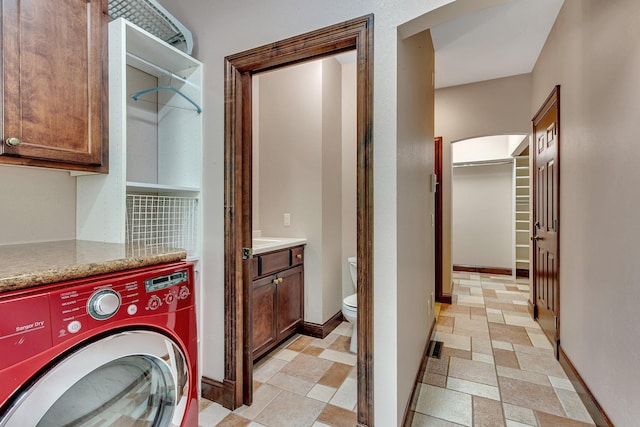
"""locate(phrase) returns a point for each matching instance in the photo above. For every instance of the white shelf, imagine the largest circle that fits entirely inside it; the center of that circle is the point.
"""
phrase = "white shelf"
(521, 194)
(155, 144)
(147, 187)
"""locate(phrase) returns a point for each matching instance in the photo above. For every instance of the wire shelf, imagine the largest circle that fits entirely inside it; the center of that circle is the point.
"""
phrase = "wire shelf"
(163, 221)
(148, 14)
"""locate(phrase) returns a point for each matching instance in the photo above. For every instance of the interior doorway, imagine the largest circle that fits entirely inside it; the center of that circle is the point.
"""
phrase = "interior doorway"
(490, 205)
(355, 35)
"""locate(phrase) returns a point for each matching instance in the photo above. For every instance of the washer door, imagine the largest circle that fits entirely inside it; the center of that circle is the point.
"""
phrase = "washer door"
(137, 377)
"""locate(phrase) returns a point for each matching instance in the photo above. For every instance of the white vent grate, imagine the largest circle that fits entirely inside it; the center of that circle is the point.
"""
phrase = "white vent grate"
(163, 221)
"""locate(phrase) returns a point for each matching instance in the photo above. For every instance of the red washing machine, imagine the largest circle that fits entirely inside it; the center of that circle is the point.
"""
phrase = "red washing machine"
(110, 350)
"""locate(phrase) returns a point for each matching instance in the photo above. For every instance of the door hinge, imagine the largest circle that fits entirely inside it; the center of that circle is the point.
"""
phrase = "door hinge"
(247, 253)
(555, 225)
(555, 322)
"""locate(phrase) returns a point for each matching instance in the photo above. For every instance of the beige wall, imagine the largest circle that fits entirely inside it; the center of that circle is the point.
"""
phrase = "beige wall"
(592, 52)
(299, 165)
(331, 188)
(36, 205)
(290, 167)
(416, 249)
(482, 208)
(349, 151)
(494, 107)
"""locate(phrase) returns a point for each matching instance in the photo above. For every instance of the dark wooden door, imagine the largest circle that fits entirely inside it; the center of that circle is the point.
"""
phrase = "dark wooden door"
(52, 58)
(546, 131)
(437, 170)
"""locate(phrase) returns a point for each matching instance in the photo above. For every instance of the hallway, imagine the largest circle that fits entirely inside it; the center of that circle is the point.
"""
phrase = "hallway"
(496, 366)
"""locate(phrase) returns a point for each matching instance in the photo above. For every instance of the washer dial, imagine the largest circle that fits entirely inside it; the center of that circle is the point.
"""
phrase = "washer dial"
(103, 304)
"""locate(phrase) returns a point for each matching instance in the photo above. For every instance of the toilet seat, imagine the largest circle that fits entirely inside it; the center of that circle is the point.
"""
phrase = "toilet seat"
(351, 301)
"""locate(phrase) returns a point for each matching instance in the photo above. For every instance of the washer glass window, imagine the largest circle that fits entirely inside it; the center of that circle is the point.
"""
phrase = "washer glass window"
(127, 391)
(131, 378)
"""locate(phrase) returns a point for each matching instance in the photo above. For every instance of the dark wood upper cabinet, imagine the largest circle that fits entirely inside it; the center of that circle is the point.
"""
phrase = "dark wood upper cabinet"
(54, 82)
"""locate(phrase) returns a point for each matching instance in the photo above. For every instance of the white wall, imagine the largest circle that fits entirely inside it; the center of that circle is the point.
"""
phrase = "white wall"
(482, 205)
(300, 172)
(480, 149)
(36, 205)
(494, 107)
(592, 52)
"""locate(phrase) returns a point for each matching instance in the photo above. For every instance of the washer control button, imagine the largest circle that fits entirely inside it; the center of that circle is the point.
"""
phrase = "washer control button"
(103, 304)
(132, 309)
(184, 293)
(74, 327)
(154, 303)
(169, 298)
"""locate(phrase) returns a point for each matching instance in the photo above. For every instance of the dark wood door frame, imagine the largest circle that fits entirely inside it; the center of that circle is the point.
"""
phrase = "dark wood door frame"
(553, 100)
(437, 170)
(355, 34)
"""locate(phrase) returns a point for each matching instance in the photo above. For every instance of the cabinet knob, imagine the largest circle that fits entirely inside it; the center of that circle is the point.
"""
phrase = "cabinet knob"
(299, 256)
(278, 280)
(13, 141)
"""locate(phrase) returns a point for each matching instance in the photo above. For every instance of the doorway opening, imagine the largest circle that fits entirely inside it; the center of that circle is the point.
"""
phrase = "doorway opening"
(491, 205)
(355, 35)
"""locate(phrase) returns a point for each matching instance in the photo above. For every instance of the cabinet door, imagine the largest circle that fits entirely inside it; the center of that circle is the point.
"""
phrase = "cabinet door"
(290, 301)
(52, 62)
(263, 324)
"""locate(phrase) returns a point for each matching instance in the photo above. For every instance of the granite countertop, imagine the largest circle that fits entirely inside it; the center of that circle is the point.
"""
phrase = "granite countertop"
(32, 264)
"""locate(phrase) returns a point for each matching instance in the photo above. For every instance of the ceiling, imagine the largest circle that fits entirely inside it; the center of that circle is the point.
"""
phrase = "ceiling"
(499, 41)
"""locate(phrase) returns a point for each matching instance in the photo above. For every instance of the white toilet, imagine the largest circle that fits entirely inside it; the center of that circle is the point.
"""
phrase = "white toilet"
(350, 305)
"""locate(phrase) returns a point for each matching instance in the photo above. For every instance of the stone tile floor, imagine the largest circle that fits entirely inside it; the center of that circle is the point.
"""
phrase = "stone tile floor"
(497, 367)
(306, 382)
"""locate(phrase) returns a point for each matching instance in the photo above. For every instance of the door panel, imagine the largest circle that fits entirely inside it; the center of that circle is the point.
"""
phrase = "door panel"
(546, 126)
(290, 301)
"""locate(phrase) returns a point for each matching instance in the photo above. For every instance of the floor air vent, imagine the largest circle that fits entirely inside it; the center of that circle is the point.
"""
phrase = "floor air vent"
(435, 349)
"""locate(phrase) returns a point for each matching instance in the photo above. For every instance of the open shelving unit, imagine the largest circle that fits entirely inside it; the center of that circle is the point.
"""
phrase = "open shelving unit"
(522, 214)
(155, 147)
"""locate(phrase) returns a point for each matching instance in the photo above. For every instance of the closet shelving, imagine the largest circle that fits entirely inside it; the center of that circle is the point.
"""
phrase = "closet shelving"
(522, 212)
(155, 146)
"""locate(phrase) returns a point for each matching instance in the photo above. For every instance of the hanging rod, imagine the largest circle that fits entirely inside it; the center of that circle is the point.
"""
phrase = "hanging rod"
(162, 70)
(484, 163)
(136, 95)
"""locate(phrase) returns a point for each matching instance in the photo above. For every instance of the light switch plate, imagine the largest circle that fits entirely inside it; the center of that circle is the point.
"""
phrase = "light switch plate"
(287, 219)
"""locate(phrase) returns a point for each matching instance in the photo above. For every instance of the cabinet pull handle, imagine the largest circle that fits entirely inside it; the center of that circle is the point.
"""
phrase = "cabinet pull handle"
(278, 280)
(299, 256)
(12, 142)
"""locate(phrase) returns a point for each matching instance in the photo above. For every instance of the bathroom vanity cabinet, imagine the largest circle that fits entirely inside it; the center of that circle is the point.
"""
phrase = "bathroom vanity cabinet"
(277, 297)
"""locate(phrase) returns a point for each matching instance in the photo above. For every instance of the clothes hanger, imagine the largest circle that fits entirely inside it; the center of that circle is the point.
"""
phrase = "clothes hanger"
(136, 95)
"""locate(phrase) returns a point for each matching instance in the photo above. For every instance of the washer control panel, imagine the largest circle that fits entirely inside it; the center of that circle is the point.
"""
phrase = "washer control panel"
(119, 298)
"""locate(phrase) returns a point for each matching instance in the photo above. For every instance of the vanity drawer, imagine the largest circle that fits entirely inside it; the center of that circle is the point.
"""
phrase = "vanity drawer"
(297, 255)
(275, 261)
